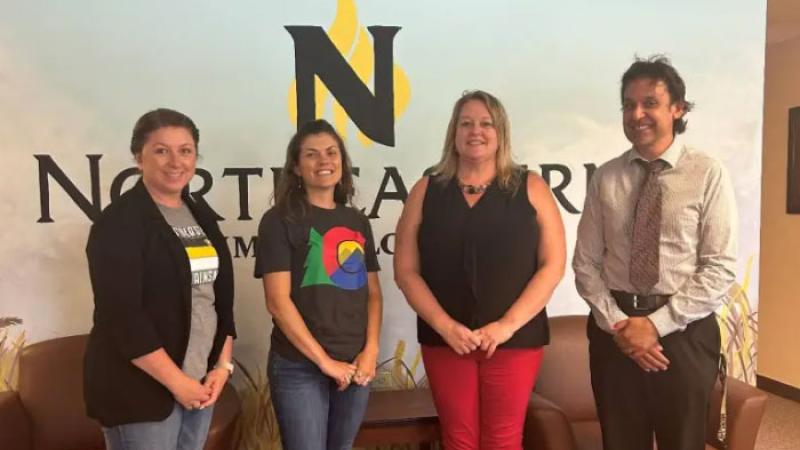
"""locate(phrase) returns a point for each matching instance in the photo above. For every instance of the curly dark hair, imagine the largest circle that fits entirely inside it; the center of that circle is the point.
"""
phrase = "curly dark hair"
(659, 68)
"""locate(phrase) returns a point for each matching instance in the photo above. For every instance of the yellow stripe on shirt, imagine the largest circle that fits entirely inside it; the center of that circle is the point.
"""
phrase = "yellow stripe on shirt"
(201, 252)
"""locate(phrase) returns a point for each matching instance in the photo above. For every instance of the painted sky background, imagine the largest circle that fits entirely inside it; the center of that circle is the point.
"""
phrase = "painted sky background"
(74, 76)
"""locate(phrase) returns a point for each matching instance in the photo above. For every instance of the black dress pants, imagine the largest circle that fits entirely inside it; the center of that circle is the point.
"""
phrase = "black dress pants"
(633, 405)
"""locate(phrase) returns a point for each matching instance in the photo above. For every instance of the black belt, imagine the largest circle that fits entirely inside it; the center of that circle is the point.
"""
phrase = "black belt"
(638, 305)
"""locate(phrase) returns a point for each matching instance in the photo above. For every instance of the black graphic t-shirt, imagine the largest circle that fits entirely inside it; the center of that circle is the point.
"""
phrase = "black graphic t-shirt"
(328, 253)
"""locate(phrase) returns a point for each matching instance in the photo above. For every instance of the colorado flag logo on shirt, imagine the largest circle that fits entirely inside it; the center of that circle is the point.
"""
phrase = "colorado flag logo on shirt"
(336, 258)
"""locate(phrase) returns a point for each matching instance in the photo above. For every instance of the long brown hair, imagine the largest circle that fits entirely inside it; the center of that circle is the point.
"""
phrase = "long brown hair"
(290, 194)
(508, 172)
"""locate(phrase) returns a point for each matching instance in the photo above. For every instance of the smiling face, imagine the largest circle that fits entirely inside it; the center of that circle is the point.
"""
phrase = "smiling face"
(648, 114)
(476, 136)
(319, 162)
(167, 161)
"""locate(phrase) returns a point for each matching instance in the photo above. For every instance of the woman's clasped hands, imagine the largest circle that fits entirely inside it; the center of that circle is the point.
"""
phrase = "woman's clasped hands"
(487, 338)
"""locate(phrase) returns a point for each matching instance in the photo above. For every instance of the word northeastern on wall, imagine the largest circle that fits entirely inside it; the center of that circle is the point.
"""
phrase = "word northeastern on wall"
(392, 186)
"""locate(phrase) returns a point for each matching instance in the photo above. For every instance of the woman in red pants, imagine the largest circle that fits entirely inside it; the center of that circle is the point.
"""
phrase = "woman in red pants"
(479, 250)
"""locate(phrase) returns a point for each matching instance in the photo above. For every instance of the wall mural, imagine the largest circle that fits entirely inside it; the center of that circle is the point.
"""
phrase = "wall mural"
(386, 75)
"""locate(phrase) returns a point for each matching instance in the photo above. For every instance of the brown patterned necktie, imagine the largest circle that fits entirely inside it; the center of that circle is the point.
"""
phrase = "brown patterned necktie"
(646, 229)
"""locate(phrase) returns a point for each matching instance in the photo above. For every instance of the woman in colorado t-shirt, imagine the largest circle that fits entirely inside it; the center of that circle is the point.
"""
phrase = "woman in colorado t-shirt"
(317, 258)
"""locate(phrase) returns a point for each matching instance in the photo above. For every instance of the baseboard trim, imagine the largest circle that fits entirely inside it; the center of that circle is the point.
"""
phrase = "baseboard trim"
(778, 388)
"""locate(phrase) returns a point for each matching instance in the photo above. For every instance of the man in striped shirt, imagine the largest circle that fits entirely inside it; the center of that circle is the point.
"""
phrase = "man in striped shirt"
(655, 257)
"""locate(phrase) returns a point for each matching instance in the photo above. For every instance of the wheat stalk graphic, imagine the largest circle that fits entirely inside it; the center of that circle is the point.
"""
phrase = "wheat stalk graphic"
(9, 353)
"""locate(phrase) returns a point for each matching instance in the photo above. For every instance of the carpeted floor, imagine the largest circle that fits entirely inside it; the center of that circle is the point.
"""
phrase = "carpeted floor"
(780, 428)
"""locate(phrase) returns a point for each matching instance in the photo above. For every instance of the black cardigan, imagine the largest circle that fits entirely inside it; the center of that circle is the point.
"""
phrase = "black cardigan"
(141, 281)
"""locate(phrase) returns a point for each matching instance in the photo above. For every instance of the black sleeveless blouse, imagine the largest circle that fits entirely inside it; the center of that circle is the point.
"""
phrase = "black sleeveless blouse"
(478, 260)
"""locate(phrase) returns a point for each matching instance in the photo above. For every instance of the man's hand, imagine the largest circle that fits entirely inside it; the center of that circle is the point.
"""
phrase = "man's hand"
(652, 361)
(637, 338)
(635, 335)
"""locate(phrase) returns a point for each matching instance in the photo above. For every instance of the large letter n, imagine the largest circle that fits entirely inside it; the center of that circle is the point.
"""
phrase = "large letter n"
(315, 54)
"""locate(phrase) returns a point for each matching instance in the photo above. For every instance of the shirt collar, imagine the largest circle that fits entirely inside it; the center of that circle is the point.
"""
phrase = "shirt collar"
(671, 155)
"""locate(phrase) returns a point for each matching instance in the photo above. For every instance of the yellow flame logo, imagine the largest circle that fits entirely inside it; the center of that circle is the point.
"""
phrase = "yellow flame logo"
(353, 42)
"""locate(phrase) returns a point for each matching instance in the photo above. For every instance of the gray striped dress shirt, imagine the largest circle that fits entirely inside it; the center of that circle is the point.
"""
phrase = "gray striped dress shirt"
(697, 248)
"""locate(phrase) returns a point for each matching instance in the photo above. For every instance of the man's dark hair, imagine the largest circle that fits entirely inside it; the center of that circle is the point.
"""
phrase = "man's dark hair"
(160, 118)
(659, 68)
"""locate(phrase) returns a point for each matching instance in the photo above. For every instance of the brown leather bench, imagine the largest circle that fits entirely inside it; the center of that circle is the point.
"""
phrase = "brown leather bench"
(47, 411)
(405, 416)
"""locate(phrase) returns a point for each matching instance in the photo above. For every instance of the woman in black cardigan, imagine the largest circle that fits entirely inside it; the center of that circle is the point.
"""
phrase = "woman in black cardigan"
(159, 352)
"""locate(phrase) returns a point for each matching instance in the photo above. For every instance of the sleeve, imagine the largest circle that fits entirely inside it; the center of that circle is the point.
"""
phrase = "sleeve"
(116, 268)
(587, 261)
(702, 293)
(273, 249)
(371, 256)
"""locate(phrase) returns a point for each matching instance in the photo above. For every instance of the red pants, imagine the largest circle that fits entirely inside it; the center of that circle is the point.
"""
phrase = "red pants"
(481, 402)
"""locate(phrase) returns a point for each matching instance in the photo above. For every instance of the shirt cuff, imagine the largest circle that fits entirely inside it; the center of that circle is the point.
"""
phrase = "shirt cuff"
(606, 320)
(663, 321)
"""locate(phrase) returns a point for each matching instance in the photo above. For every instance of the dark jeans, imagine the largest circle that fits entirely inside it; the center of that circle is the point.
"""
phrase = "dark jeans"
(633, 405)
(312, 414)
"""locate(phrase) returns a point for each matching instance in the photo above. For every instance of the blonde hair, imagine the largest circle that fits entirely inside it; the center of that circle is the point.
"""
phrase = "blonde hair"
(508, 171)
